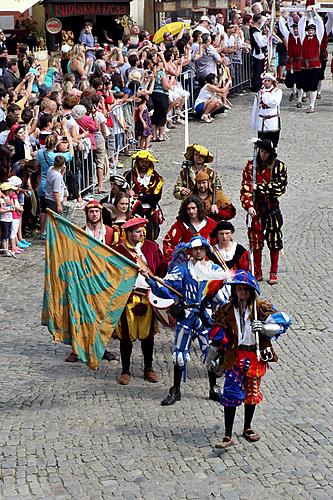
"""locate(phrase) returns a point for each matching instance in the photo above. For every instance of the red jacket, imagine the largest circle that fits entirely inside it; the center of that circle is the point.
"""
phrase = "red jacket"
(294, 53)
(310, 53)
(181, 233)
(155, 260)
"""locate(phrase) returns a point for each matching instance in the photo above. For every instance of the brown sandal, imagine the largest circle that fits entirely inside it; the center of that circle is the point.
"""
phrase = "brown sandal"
(251, 436)
(225, 443)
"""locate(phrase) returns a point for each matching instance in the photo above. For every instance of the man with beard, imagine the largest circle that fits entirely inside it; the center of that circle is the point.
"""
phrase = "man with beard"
(191, 221)
(188, 276)
(265, 117)
(146, 186)
(138, 320)
(95, 228)
(216, 203)
(197, 158)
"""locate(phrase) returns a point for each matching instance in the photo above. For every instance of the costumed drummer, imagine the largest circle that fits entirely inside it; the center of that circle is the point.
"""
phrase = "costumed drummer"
(188, 276)
(146, 185)
(197, 158)
(94, 227)
(265, 214)
(247, 348)
(138, 320)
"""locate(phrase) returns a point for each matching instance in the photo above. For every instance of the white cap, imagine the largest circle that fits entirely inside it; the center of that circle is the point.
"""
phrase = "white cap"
(15, 181)
(205, 18)
(268, 76)
(65, 48)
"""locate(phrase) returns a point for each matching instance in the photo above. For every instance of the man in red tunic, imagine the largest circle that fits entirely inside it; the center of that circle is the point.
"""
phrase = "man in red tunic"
(294, 51)
(191, 221)
(138, 320)
(311, 34)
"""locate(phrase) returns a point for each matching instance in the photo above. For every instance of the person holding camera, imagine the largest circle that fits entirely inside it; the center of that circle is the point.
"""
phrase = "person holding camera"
(208, 62)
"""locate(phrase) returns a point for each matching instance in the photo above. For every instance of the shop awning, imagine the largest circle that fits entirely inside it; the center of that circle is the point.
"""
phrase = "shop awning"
(17, 5)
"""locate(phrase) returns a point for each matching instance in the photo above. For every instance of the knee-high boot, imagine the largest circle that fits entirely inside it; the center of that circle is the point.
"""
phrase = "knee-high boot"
(174, 391)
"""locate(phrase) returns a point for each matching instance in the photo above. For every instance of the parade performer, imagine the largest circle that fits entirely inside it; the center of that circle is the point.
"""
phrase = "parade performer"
(94, 227)
(138, 320)
(197, 158)
(265, 118)
(118, 184)
(245, 326)
(216, 203)
(230, 255)
(294, 59)
(311, 34)
(266, 218)
(328, 17)
(146, 185)
(191, 221)
(190, 277)
(259, 45)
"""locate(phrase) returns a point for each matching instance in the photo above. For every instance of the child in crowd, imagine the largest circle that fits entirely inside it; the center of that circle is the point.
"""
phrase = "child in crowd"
(143, 126)
(16, 182)
(6, 216)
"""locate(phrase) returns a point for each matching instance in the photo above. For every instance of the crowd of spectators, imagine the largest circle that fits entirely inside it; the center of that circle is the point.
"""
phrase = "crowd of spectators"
(64, 129)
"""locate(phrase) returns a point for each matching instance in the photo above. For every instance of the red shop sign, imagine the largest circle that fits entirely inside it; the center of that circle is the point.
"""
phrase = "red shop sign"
(89, 9)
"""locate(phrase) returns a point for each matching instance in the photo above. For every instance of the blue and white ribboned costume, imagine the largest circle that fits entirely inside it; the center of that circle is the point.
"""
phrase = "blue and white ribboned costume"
(190, 278)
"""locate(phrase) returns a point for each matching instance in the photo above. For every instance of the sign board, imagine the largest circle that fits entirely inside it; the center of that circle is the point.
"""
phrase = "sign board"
(53, 25)
(89, 9)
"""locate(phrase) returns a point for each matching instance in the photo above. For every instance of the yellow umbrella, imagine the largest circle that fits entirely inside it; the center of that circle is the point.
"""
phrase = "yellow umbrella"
(173, 28)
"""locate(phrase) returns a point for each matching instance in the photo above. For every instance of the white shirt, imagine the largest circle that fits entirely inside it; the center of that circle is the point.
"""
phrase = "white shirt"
(245, 337)
(140, 280)
(202, 29)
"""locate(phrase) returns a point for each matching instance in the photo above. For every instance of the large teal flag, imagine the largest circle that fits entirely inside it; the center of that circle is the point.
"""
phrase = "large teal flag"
(86, 288)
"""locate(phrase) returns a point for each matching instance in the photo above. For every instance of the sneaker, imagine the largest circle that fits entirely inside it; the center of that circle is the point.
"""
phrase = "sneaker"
(151, 376)
(310, 109)
(205, 118)
(25, 242)
(273, 279)
(124, 379)
(22, 245)
(299, 104)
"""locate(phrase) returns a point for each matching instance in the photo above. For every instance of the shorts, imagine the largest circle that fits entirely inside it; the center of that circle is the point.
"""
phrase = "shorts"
(14, 228)
(199, 108)
(42, 204)
(310, 79)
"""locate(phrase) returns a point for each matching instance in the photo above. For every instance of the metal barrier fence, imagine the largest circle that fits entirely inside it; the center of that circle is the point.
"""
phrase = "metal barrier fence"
(241, 72)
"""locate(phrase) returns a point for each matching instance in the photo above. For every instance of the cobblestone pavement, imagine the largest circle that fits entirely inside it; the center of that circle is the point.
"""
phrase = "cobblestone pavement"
(67, 432)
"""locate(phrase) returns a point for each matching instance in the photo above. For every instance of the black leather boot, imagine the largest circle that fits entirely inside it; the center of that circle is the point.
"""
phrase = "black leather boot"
(215, 393)
(172, 397)
(174, 392)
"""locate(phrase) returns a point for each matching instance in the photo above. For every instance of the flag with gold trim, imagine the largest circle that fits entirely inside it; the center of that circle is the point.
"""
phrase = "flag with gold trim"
(86, 288)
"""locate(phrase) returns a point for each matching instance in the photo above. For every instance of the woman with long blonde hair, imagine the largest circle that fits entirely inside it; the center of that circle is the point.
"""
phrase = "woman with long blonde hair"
(78, 65)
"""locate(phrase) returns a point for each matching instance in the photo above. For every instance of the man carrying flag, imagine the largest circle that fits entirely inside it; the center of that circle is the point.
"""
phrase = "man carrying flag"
(138, 320)
(86, 287)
